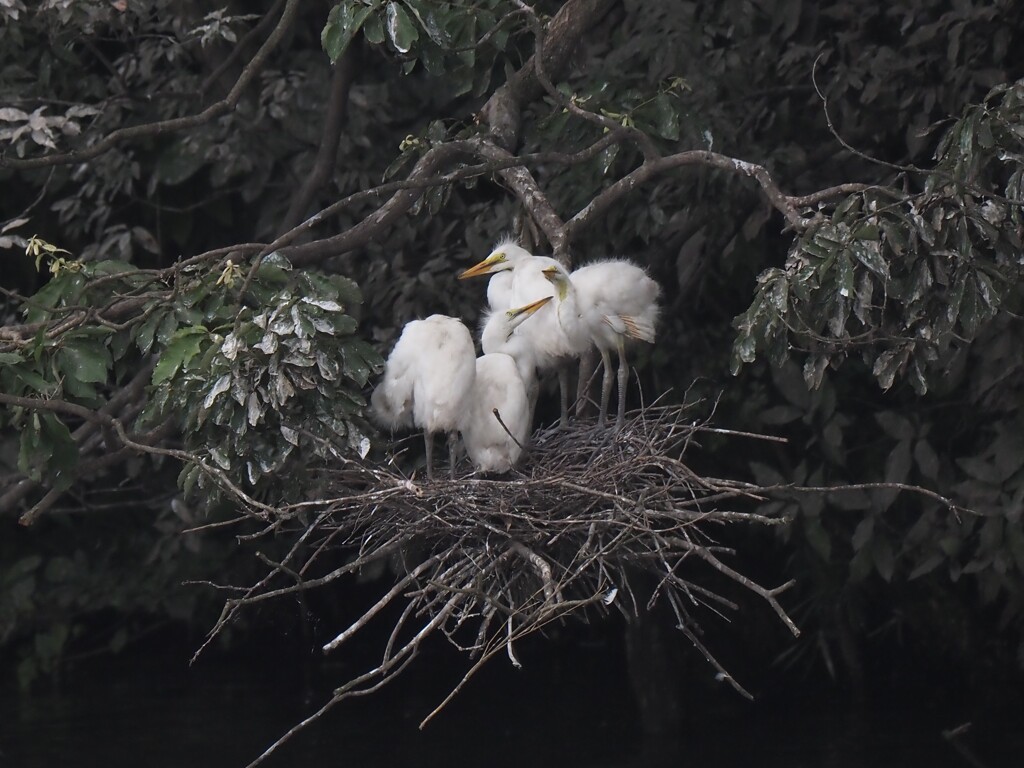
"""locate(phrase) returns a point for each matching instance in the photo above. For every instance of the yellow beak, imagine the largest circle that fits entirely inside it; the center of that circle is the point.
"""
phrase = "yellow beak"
(529, 309)
(485, 267)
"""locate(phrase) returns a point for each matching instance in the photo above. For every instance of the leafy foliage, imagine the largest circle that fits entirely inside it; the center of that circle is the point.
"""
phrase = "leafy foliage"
(912, 279)
(455, 40)
(909, 278)
(277, 392)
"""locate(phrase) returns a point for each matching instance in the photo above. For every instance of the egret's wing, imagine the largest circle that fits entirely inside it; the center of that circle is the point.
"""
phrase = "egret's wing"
(631, 327)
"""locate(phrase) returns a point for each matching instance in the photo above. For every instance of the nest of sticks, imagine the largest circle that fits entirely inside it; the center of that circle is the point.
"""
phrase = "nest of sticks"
(485, 561)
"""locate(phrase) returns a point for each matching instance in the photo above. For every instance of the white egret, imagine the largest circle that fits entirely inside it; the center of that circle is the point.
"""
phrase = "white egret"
(527, 284)
(607, 303)
(497, 426)
(497, 335)
(499, 265)
(428, 381)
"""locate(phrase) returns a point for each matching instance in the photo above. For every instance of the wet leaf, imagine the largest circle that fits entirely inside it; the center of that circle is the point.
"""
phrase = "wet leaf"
(400, 28)
(869, 254)
(84, 361)
(219, 388)
(184, 345)
(343, 22)
(887, 365)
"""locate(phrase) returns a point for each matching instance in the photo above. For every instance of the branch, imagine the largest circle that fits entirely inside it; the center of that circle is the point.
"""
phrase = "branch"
(786, 204)
(382, 218)
(72, 409)
(175, 124)
(502, 112)
(257, 31)
(122, 398)
(525, 187)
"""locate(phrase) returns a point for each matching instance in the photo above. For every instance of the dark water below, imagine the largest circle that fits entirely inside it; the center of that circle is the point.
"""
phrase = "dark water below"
(154, 710)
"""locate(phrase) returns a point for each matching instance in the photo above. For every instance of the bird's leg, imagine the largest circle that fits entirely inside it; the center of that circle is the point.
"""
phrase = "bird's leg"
(453, 447)
(623, 381)
(583, 385)
(606, 386)
(563, 393)
(428, 441)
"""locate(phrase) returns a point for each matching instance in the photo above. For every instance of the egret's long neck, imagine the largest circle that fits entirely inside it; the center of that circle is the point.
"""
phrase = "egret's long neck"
(568, 308)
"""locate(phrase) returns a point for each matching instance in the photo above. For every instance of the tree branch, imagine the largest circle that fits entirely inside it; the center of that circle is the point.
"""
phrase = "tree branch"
(502, 112)
(786, 204)
(174, 124)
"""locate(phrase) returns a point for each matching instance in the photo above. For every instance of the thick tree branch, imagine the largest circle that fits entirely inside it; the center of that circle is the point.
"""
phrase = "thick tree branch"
(786, 204)
(502, 112)
(525, 187)
(175, 124)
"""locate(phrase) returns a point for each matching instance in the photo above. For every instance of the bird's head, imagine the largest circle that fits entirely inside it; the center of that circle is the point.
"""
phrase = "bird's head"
(559, 278)
(504, 256)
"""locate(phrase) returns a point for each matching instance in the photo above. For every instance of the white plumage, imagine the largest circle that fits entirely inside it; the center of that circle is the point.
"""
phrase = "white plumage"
(428, 381)
(527, 284)
(606, 303)
(498, 390)
(499, 265)
(506, 384)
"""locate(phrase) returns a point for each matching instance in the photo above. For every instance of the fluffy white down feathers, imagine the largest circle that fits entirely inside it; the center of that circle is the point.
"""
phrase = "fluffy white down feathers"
(491, 446)
(428, 380)
(434, 381)
(428, 376)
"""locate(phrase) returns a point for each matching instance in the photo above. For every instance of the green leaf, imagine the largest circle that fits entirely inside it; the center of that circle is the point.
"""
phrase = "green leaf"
(920, 283)
(425, 15)
(373, 29)
(398, 164)
(401, 30)
(865, 293)
(844, 280)
(32, 379)
(33, 452)
(63, 451)
(84, 361)
(145, 333)
(343, 22)
(183, 346)
(666, 118)
(887, 365)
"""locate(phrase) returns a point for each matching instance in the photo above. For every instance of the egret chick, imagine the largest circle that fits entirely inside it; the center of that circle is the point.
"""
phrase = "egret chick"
(527, 284)
(609, 303)
(428, 382)
(498, 424)
(499, 265)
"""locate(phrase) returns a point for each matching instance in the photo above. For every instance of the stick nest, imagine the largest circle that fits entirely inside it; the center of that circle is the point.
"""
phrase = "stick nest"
(488, 560)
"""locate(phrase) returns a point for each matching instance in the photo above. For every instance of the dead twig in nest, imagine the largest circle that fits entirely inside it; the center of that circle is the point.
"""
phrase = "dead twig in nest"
(487, 561)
